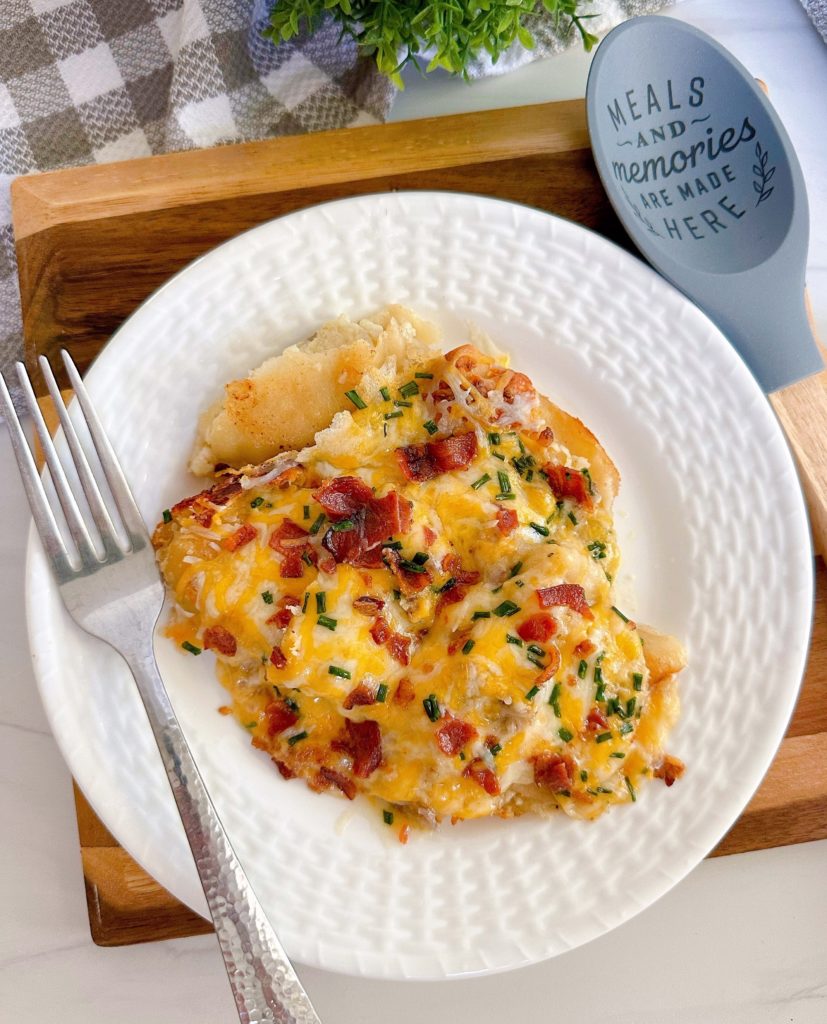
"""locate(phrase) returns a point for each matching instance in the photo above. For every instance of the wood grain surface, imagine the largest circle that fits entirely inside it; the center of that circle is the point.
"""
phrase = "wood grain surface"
(93, 242)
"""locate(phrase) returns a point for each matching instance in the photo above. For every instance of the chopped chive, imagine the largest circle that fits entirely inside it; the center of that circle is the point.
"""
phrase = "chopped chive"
(395, 545)
(539, 528)
(462, 755)
(617, 753)
(505, 497)
(554, 699)
(505, 609)
(598, 549)
(306, 511)
(266, 597)
(356, 398)
(630, 787)
(321, 602)
(603, 789)
(538, 662)
(304, 602)
(637, 680)
(617, 611)
(573, 518)
(420, 558)
(384, 430)
(397, 594)
(480, 615)
(630, 706)
(167, 516)
(532, 693)
(393, 415)
(519, 583)
(498, 455)
(291, 704)
(308, 561)
(626, 728)
(505, 483)
(468, 646)
(334, 670)
(409, 389)
(387, 817)
(588, 477)
(342, 525)
(613, 707)
(600, 692)
(494, 438)
(257, 502)
(603, 737)
(381, 693)
(598, 673)
(582, 669)
(293, 740)
(191, 647)
(529, 475)
(410, 566)
(495, 749)
(482, 480)
(400, 404)
(515, 568)
(327, 622)
(431, 706)
(536, 649)
(385, 393)
(317, 523)
(450, 582)
(513, 640)
(250, 725)
(584, 775)
(565, 735)
(430, 426)
(424, 376)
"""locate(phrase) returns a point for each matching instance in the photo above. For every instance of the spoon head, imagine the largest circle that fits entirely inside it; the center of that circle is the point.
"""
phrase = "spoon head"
(705, 180)
(690, 151)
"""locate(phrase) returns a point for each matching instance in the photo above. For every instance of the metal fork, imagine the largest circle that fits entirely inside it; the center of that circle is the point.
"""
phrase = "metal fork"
(117, 595)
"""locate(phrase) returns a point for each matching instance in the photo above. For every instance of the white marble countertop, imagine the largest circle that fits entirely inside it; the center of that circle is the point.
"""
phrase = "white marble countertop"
(743, 940)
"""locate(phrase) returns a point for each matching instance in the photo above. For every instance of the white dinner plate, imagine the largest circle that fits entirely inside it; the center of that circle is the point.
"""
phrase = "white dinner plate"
(712, 526)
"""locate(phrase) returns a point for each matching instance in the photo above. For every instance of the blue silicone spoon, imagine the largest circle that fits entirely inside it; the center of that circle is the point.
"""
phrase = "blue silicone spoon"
(705, 180)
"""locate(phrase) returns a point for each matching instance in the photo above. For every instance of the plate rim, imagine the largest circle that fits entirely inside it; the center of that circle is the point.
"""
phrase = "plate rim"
(34, 554)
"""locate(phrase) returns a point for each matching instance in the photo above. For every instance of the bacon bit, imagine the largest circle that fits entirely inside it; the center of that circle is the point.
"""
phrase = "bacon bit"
(292, 542)
(200, 504)
(520, 385)
(380, 631)
(243, 535)
(424, 461)
(458, 640)
(567, 483)
(571, 595)
(358, 696)
(277, 659)
(284, 771)
(453, 735)
(670, 769)
(368, 605)
(443, 392)
(585, 648)
(399, 647)
(364, 744)
(374, 520)
(539, 627)
(430, 536)
(225, 710)
(506, 521)
(279, 717)
(292, 566)
(543, 437)
(453, 595)
(410, 583)
(327, 563)
(342, 782)
(404, 693)
(217, 638)
(596, 720)
(553, 771)
(483, 776)
(551, 667)
(404, 834)
(453, 566)
(287, 606)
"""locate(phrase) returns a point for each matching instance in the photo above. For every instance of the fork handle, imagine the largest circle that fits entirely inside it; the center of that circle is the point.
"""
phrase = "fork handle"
(266, 988)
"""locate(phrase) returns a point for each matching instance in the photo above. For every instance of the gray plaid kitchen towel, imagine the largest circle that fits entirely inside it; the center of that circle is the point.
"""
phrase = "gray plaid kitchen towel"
(90, 81)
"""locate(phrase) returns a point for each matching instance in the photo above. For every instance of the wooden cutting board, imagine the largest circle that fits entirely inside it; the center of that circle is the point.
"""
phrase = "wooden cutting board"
(93, 242)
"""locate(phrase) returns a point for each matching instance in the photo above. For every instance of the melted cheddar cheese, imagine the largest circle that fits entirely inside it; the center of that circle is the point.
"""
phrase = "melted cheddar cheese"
(468, 661)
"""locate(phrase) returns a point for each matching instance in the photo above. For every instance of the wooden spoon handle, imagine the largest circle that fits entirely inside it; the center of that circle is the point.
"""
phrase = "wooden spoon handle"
(802, 411)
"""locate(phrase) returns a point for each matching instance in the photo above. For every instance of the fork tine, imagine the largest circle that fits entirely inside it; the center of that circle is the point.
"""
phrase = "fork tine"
(41, 511)
(71, 512)
(100, 513)
(128, 509)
